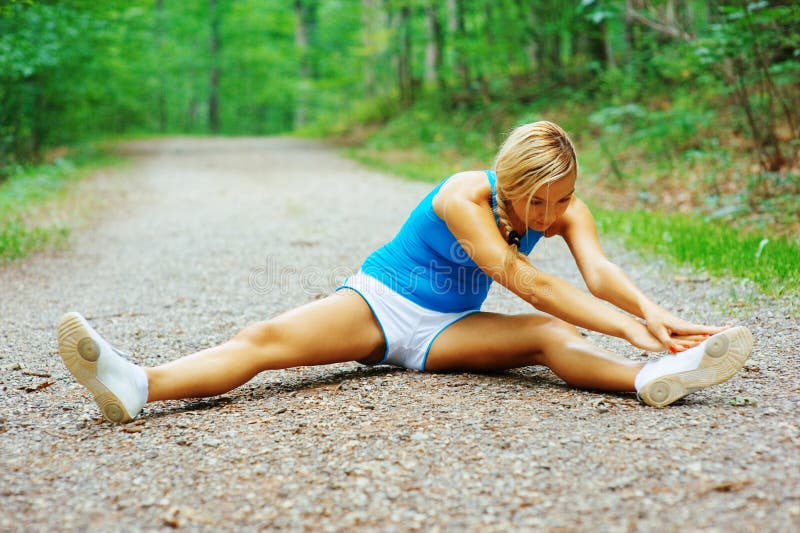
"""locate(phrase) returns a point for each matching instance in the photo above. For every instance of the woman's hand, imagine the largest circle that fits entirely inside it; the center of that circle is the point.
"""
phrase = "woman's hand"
(638, 335)
(676, 334)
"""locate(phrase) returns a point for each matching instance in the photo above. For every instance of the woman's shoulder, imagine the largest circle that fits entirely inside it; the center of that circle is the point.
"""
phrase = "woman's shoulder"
(471, 185)
(577, 217)
(470, 176)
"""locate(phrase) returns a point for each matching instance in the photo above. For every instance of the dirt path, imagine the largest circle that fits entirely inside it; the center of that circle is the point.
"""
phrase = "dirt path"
(205, 236)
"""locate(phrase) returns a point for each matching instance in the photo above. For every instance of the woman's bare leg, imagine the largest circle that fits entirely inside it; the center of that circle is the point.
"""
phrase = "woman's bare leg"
(332, 330)
(491, 341)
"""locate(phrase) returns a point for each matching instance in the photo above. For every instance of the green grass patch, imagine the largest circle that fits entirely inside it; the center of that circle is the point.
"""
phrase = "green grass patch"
(18, 239)
(414, 164)
(29, 190)
(773, 263)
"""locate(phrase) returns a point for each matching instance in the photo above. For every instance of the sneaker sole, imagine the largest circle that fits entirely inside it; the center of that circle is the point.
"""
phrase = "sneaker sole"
(725, 354)
(80, 352)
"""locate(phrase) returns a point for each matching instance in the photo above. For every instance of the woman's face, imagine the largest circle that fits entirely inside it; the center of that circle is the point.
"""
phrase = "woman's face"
(547, 205)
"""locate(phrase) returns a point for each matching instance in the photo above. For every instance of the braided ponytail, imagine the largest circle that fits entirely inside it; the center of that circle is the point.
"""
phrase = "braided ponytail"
(511, 236)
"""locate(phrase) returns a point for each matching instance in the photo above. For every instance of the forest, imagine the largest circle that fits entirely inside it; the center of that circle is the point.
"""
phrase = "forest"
(691, 106)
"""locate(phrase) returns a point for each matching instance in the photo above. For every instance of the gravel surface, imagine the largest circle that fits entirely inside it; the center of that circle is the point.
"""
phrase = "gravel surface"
(199, 237)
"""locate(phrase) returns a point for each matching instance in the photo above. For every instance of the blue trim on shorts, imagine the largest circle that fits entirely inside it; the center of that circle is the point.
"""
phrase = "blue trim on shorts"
(378, 320)
(428, 349)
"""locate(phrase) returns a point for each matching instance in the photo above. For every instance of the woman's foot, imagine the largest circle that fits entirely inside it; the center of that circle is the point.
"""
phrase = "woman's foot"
(713, 361)
(119, 386)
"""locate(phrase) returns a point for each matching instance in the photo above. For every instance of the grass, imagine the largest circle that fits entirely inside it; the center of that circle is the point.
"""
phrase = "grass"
(772, 263)
(414, 164)
(29, 197)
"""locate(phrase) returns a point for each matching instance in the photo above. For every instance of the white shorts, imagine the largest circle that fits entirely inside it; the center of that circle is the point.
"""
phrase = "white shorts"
(408, 328)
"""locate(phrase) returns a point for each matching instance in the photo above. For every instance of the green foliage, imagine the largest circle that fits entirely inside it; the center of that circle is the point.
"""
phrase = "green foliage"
(17, 239)
(754, 49)
(66, 74)
(259, 83)
(18, 195)
(76, 69)
(768, 201)
(661, 95)
(28, 189)
(33, 185)
(663, 134)
(772, 263)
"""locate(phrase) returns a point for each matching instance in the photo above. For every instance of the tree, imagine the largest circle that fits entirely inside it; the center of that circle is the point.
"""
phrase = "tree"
(306, 15)
(434, 55)
(214, 45)
(404, 59)
(159, 34)
(754, 49)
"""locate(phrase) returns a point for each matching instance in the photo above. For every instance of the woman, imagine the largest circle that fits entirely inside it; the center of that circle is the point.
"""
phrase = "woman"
(416, 302)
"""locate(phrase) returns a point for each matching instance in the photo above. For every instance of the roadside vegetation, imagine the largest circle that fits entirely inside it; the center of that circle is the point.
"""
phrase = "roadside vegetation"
(32, 213)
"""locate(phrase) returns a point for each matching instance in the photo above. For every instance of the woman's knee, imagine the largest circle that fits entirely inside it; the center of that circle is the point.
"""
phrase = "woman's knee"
(559, 328)
(551, 335)
(549, 328)
(260, 334)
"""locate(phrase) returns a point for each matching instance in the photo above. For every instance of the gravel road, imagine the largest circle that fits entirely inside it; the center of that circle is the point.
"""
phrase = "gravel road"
(196, 238)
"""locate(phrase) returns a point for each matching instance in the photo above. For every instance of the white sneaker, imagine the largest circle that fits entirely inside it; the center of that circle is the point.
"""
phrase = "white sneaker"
(119, 386)
(713, 361)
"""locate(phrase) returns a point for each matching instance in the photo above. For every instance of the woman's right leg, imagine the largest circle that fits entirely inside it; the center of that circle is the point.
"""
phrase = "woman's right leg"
(493, 341)
(336, 329)
(490, 341)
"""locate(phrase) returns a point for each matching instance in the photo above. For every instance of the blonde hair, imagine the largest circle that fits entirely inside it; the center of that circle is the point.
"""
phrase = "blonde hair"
(533, 155)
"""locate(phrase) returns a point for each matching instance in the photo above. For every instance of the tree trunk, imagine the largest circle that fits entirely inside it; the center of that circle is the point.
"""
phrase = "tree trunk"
(213, 80)
(368, 21)
(564, 46)
(486, 65)
(665, 25)
(630, 35)
(532, 48)
(36, 122)
(306, 14)
(458, 30)
(404, 57)
(435, 50)
(669, 13)
(301, 42)
(608, 50)
(161, 98)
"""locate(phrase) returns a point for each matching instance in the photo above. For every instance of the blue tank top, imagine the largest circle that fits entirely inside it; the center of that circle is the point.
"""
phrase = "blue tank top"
(426, 264)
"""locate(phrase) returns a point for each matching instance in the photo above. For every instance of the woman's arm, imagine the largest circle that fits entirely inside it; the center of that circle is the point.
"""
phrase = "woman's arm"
(466, 211)
(608, 282)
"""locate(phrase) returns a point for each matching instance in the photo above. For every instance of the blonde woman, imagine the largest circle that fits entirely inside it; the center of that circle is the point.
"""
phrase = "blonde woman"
(416, 302)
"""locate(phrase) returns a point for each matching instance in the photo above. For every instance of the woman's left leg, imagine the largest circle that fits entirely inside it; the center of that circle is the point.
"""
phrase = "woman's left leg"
(492, 341)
